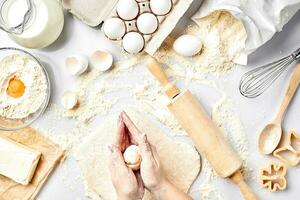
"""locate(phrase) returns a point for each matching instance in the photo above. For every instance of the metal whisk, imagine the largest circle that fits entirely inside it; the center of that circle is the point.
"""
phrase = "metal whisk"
(256, 81)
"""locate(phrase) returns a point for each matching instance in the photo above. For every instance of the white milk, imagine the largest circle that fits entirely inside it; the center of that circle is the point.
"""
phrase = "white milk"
(44, 25)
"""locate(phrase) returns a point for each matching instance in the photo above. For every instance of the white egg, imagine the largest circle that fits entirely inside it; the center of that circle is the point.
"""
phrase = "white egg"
(114, 28)
(133, 42)
(69, 100)
(127, 9)
(187, 45)
(161, 7)
(147, 23)
(76, 64)
(102, 60)
(132, 157)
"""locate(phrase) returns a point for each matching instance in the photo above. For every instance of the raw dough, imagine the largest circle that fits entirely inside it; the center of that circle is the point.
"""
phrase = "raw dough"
(181, 161)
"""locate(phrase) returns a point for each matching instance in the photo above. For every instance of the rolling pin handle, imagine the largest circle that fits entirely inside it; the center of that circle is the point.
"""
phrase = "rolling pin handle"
(246, 191)
(154, 67)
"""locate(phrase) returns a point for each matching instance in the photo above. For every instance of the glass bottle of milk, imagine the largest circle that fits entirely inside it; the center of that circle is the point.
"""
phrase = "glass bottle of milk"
(32, 23)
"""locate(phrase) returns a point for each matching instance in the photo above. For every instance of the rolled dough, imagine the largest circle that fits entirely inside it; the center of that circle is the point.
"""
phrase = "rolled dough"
(180, 161)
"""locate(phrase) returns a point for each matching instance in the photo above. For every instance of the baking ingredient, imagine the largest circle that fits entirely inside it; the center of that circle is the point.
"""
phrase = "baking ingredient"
(102, 60)
(180, 161)
(222, 45)
(133, 42)
(132, 157)
(76, 64)
(69, 100)
(147, 23)
(52, 155)
(273, 177)
(127, 9)
(114, 28)
(17, 161)
(16, 88)
(160, 7)
(23, 86)
(41, 27)
(187, 45)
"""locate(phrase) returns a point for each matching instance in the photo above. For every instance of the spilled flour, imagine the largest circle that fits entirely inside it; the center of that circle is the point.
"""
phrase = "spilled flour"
(102, 95)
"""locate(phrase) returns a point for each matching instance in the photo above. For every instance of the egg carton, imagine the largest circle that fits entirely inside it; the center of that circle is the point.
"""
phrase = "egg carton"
(94, 12)
(146, 26)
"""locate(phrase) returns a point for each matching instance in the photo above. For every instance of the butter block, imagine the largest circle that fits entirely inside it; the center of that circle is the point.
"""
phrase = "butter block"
(17, 161)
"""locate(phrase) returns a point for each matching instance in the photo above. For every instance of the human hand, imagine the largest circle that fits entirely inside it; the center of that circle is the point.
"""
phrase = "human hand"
(151, 169)
(128, 183)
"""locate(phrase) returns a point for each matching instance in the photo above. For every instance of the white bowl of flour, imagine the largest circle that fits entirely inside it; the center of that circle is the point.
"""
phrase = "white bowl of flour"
(24, 89)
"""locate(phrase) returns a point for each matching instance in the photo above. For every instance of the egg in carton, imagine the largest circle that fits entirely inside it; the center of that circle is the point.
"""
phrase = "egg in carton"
(143, 25)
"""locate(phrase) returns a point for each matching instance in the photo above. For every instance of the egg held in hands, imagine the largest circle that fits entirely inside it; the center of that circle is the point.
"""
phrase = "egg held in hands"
(132, 157)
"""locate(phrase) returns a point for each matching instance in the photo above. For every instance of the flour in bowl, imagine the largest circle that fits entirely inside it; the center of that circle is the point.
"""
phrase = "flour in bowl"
(23, 86)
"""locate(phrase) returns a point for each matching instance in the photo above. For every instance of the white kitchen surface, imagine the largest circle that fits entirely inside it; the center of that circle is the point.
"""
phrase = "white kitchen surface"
(77, 37)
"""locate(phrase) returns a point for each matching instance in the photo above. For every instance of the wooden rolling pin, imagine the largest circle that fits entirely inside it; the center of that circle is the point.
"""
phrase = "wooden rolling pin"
(204, 133)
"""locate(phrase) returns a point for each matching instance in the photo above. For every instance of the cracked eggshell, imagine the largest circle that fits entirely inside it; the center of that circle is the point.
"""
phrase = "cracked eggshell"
(76, 64)
(114, 28)
(133, 42)
(102, 60)
(187, 45)
(161, 7)
(147, 23)
(69, 100)
(127, 9)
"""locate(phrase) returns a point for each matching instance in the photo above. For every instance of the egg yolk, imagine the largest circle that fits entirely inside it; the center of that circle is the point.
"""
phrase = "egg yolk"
(16, 88)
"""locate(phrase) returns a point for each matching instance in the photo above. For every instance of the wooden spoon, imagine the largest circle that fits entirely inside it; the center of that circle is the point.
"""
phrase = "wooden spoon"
(271, 134)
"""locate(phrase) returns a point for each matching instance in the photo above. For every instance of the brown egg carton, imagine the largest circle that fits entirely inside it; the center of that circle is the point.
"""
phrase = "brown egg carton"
(290, 152)
(166, 23)
(273, 177)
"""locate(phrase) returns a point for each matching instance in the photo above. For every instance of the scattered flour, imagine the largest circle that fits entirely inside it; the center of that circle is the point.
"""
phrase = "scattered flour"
(223, 38)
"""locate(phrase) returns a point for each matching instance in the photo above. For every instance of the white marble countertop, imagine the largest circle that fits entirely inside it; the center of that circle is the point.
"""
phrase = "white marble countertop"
(254, 113)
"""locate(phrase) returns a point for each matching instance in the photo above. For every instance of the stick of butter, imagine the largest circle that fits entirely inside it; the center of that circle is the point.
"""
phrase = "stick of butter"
(17, 161)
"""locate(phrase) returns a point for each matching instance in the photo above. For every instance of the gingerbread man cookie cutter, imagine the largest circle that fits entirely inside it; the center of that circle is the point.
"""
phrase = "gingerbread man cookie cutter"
(273, 177)
(290, 154)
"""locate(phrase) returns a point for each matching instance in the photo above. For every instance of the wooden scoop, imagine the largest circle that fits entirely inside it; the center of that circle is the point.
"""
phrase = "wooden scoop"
(271, 134)
(204, 133)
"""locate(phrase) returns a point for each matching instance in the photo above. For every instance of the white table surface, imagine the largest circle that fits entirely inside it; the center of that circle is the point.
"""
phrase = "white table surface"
(64, 184)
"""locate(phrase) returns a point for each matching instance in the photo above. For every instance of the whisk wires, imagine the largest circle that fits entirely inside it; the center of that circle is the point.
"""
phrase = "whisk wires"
(258, 80)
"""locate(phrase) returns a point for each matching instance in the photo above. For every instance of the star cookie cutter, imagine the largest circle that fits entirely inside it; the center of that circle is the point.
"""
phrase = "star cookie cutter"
(290, 154)
(273, 177)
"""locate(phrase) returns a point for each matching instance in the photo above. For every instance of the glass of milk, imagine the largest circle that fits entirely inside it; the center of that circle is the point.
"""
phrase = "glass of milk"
(32, 23)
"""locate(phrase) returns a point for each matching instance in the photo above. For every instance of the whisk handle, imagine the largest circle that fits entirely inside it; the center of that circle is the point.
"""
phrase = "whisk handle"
(290, 92)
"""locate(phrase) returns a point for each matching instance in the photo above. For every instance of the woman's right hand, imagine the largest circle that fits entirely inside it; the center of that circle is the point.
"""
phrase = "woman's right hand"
(151, 169)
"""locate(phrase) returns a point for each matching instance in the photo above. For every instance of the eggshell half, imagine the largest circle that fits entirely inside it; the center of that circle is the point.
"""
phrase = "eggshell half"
(69, 100)
(76, 64)
(102, 60)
